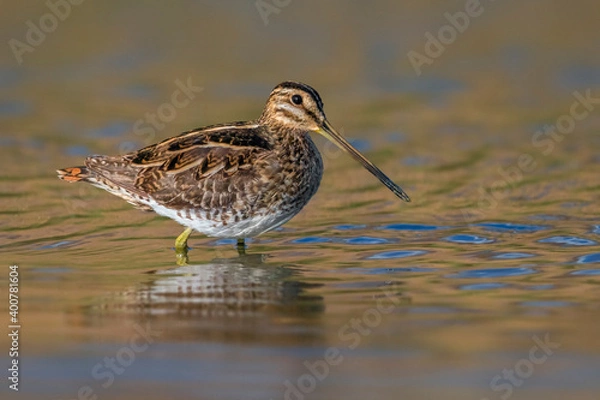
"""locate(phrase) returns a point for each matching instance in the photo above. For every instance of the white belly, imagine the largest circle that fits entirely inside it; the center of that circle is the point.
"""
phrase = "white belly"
(249, 227)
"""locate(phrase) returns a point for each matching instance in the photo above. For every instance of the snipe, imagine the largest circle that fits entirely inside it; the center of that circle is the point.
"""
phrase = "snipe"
(235, 180)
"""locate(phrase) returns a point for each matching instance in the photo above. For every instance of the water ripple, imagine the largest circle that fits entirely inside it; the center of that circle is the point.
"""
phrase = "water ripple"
(411, 227)
(387, 255)
(483, 286)
(310, 240)
(433, 310)
(568, 241)
(506, 226)
(541, 287)
(349, 227)
(493, 273)
(512, 256)
(360, 285)
(366, 240)
(471, 239)
(52, 270)
(383, 271)
(222, 242)
(56, 245)
(589, 258)
(546, 303)
(586, 272)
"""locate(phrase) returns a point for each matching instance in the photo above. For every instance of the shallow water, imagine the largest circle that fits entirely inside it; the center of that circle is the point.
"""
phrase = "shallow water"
(485, 286)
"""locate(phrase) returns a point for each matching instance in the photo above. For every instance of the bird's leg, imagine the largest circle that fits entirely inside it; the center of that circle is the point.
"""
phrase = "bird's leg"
(181, 247)
(241, 247)
(181, 241)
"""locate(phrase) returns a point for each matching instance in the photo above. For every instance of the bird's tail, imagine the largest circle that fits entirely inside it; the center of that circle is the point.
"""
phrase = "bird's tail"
(74, 174)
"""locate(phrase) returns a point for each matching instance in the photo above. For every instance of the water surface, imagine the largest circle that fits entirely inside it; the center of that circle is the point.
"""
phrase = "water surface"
(494, 266)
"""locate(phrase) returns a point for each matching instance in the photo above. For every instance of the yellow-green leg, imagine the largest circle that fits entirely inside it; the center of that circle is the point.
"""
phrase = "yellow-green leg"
(181, 241)
(181, 246)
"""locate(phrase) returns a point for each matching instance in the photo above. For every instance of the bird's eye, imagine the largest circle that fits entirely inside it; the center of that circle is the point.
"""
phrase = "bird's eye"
(297, 99)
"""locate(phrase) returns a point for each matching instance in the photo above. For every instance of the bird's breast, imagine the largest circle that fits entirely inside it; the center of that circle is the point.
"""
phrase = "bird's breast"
(301, 169)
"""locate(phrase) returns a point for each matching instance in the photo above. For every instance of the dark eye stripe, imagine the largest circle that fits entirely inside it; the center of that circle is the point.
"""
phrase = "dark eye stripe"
(292, 115)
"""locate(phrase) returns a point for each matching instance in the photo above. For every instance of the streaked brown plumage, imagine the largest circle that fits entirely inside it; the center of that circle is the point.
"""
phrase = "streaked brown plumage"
(233, 180)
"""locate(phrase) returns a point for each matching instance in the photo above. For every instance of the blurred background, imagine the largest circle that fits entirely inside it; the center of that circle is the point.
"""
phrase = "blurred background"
(485, 286)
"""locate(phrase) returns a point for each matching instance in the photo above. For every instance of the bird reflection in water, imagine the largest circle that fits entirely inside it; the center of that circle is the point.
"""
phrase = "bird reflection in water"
(224, 297)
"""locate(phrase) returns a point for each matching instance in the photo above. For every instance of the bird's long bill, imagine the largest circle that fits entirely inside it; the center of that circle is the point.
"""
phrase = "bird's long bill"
(330, 133)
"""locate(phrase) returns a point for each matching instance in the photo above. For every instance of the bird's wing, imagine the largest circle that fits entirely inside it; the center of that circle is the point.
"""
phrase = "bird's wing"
(201, 168)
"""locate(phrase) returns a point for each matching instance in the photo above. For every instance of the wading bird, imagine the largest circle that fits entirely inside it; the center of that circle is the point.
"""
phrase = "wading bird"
(235, 180)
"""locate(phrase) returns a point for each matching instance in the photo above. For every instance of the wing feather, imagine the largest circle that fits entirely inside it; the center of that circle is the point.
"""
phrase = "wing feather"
(181, 170)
